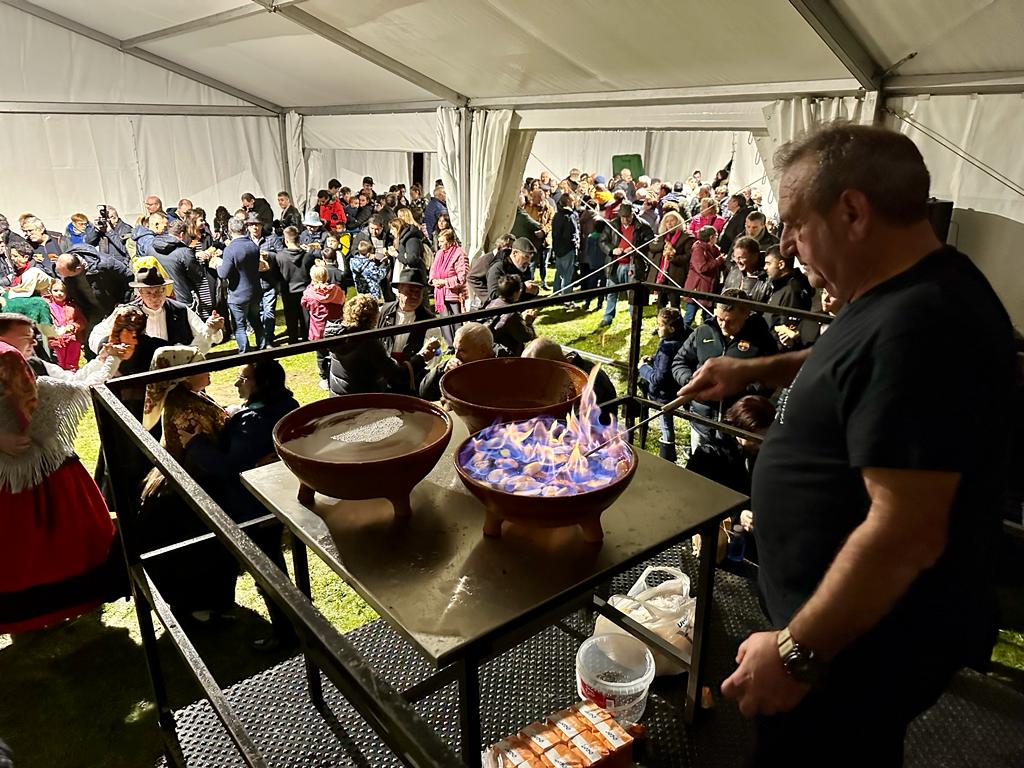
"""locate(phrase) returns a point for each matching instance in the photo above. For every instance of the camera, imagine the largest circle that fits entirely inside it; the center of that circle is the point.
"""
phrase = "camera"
(103, 220)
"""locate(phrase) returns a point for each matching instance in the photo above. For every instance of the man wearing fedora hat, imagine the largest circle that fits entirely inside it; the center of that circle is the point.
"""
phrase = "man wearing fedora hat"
(408, 307)
(166, 319)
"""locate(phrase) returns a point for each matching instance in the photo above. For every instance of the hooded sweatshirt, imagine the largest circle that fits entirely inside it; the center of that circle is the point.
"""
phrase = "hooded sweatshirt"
(294, 265)
(324, 303)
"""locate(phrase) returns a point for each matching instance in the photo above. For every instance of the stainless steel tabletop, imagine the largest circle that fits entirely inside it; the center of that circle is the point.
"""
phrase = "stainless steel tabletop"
(436, 579)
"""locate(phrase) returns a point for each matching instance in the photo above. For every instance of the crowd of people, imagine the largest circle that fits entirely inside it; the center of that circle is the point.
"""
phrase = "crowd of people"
(856, 436)
(169, 288)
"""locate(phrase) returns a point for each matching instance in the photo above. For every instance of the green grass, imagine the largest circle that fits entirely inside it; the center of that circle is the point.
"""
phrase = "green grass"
(79, 695)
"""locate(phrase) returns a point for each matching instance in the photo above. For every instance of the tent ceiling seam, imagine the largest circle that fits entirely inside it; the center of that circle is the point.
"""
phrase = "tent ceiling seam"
(346, 41)
(835, 33)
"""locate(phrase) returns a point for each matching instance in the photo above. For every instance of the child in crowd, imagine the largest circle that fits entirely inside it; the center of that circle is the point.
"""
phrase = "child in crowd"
(368, 271)
(68, 325)
(656, 374)
(323, 300)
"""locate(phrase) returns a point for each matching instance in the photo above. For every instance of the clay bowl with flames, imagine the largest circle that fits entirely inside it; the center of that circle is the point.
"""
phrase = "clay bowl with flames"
(363, 465)
(582, 507)
(511, 389)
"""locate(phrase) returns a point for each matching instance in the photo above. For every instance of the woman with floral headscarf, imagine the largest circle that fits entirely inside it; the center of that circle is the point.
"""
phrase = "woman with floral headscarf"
(56, 555)
(193, 581)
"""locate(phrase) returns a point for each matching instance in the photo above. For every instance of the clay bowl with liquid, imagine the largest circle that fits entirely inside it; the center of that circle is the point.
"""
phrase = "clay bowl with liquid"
(507, 389)
(388, 468)
(582, 509)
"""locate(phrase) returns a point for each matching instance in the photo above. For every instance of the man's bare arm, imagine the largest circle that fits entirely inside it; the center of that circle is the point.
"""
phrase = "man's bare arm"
(722, 377)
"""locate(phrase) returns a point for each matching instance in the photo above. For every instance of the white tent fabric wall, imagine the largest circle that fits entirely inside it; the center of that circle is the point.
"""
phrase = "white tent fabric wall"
(412, 132)
(210, 160)
(298, 181)
(980, 125)
(349, 166)
(57, 165)
(675, 154)
(449, 157)
(557, 152)
(497, 160)
(58, 65)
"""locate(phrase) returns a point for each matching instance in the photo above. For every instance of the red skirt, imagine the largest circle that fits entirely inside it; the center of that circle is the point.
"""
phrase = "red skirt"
(55, 544)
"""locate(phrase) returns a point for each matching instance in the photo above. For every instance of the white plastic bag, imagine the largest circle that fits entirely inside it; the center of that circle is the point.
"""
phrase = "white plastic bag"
(666, 610)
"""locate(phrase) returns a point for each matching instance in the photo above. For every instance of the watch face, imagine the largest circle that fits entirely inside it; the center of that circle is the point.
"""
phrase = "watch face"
(800, 665)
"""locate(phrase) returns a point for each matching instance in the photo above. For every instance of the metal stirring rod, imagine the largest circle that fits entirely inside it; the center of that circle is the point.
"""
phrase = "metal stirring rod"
(667, 408)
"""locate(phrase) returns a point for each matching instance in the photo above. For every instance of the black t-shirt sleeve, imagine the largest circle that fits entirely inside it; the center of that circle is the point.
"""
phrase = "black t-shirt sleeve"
(896, 405)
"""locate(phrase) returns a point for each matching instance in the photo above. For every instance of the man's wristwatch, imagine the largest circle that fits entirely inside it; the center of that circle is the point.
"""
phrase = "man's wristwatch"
(802, 664)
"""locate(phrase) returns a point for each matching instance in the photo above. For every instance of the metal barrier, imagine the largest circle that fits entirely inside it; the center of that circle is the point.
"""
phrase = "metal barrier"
(391, 716)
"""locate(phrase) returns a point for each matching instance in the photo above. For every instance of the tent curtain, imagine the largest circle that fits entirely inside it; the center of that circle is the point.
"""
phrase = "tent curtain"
(498, 160)
(411, 132)
(349, 166)
(297, 184)
(449, 159)
(788, 119)
(978, 125)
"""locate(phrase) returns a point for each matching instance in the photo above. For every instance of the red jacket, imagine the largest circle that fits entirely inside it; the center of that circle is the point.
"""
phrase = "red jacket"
(333, 216)
(705, 263)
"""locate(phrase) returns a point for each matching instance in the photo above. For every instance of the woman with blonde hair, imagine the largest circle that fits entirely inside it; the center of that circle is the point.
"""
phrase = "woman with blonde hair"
(672, 250)
(364, 365)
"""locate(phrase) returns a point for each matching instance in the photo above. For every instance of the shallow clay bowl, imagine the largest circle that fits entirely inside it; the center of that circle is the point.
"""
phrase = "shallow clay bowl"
(511, 389)
(582, 509)
(392, 478)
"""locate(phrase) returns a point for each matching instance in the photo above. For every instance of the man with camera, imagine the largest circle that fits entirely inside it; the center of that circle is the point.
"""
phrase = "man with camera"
(109, 233)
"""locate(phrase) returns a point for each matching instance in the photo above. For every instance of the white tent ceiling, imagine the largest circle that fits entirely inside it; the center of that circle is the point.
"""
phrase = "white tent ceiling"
(317, 53)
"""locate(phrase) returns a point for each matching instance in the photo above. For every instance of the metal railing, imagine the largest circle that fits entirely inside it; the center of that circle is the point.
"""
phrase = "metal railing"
(393, 718)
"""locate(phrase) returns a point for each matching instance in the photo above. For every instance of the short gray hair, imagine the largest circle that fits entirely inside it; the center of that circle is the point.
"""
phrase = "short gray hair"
(477, 333)
(235, 226)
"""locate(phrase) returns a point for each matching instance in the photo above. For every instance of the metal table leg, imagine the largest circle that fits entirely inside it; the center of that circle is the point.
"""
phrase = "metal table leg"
(469, 711)
(301, 564)
(702, 616)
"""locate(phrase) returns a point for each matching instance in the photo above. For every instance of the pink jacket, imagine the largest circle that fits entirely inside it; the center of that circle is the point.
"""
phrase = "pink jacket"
(699, 221)
(323, 304)
(451, 265)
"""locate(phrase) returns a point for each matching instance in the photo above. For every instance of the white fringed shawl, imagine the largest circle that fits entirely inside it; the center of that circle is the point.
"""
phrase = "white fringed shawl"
(63, 401)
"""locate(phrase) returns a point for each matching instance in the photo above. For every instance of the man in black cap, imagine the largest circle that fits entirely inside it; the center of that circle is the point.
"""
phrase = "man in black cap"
(270, 277)
(408, 307)
(517, 262)
(166, 318)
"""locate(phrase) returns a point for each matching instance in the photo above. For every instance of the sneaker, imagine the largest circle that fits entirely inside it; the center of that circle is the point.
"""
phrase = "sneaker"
(324, 384)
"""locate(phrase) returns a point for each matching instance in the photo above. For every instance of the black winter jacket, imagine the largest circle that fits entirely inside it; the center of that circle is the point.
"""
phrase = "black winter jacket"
(181, 266)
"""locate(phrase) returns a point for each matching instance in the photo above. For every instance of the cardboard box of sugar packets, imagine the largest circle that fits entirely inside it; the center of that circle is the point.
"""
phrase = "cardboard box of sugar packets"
(578, 737)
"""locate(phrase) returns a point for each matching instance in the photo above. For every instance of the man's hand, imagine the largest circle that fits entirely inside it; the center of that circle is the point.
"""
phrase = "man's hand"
(453, 362)
(112, 350)
(14, 445)
(717, 379)
(216, 322)
(747, 520)
(531, 287)
(616, 251)
(529, 316)
(761, 684)
(430, 348)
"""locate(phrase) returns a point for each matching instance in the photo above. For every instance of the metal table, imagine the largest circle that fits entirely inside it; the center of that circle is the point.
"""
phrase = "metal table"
(460, 598)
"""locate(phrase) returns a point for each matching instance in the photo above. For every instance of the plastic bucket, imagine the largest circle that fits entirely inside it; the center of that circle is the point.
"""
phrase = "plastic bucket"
(615, 672)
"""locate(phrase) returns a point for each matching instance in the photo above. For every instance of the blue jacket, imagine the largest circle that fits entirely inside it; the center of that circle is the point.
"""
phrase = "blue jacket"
(245, 442)
(434, 209)
(241, 268)
(661, 383)
(143, 237)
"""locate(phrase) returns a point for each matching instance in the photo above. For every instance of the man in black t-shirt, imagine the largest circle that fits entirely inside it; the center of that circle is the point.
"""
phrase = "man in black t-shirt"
(874, 522)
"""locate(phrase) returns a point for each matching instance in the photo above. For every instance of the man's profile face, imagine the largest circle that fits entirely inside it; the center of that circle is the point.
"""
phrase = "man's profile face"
(520, 259)
(808, 235)
(36, 235)
(466, 351)
(730, 319)
(283, 202)
(753, 227)
(21, 337)
(153, 296)
(409, 296)
(774, 266)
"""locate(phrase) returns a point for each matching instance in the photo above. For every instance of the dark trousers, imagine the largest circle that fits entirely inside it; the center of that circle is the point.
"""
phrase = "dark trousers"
(323, 363)
(858, 716)
(296, 320)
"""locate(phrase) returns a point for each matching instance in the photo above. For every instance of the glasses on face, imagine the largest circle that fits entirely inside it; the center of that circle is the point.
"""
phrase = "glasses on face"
(241, 379)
